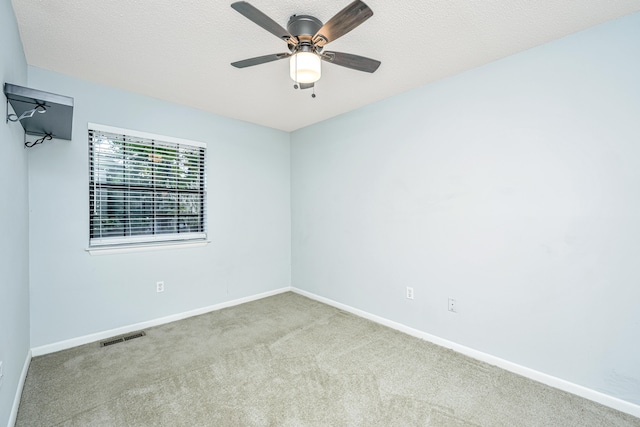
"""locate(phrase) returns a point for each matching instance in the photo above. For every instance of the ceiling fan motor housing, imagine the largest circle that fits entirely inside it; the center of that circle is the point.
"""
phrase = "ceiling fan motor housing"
(304, 27)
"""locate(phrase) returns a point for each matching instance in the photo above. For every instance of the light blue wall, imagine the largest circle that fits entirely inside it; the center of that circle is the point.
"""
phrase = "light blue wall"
(74, 294)
(14, 215)
(514, 188)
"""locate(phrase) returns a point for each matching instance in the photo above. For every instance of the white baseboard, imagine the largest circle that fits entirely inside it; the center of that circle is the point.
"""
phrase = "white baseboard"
(16, 400)
(587, 393)
(74, 342)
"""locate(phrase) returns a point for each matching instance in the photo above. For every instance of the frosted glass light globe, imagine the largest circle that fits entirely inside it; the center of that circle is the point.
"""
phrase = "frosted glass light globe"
(304, 67)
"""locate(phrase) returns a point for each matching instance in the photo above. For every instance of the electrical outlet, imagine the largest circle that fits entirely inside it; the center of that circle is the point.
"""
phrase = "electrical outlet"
(159, 286)
(452, 305)
(409, 293)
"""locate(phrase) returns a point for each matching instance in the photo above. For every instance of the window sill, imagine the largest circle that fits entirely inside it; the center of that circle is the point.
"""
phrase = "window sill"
(125, 249)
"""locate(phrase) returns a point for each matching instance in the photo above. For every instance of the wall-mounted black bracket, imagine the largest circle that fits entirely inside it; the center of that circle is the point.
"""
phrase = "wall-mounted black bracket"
(40, 113)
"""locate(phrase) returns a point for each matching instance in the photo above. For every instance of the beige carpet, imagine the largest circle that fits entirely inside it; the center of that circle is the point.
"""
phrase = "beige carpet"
(288, 361)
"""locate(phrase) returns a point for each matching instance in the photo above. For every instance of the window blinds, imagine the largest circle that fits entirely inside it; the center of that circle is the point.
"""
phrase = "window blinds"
(145, 188)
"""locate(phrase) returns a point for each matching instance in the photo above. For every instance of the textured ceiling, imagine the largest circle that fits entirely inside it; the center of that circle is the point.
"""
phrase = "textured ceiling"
(180, 51)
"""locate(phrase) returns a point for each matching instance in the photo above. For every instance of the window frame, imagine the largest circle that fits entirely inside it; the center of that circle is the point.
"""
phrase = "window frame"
(154, 240)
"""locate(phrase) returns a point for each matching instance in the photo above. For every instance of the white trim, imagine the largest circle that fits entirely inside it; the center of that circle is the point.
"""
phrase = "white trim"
(147, 135)
(97, 242)
(74, 342)
(13, 416)
(125, 249)
(587, 393)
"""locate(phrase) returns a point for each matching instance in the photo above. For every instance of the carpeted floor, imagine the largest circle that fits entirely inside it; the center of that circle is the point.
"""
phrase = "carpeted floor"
(288, 361)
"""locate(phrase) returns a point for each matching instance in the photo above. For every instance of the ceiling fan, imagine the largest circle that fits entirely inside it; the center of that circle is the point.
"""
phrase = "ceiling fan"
(306, 37)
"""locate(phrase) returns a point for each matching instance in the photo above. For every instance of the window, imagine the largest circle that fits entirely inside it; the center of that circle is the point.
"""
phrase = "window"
(144, 188)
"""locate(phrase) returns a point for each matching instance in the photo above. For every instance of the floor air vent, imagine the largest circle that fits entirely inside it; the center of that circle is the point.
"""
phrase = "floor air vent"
(122, 338)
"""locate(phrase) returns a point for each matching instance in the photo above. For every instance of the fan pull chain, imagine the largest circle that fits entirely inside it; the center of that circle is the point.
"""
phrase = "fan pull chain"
(295, 58)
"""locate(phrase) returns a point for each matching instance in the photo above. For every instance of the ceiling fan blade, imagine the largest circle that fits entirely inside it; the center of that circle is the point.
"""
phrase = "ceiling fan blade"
(258, 17)
(343, 22)
(260, 60)
(349, 60)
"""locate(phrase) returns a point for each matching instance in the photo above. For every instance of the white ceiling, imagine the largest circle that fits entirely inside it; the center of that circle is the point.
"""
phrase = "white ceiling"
(180, 51)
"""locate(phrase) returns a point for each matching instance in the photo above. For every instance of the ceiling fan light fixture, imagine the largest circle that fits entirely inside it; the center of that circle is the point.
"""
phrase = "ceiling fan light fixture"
(305, 67)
